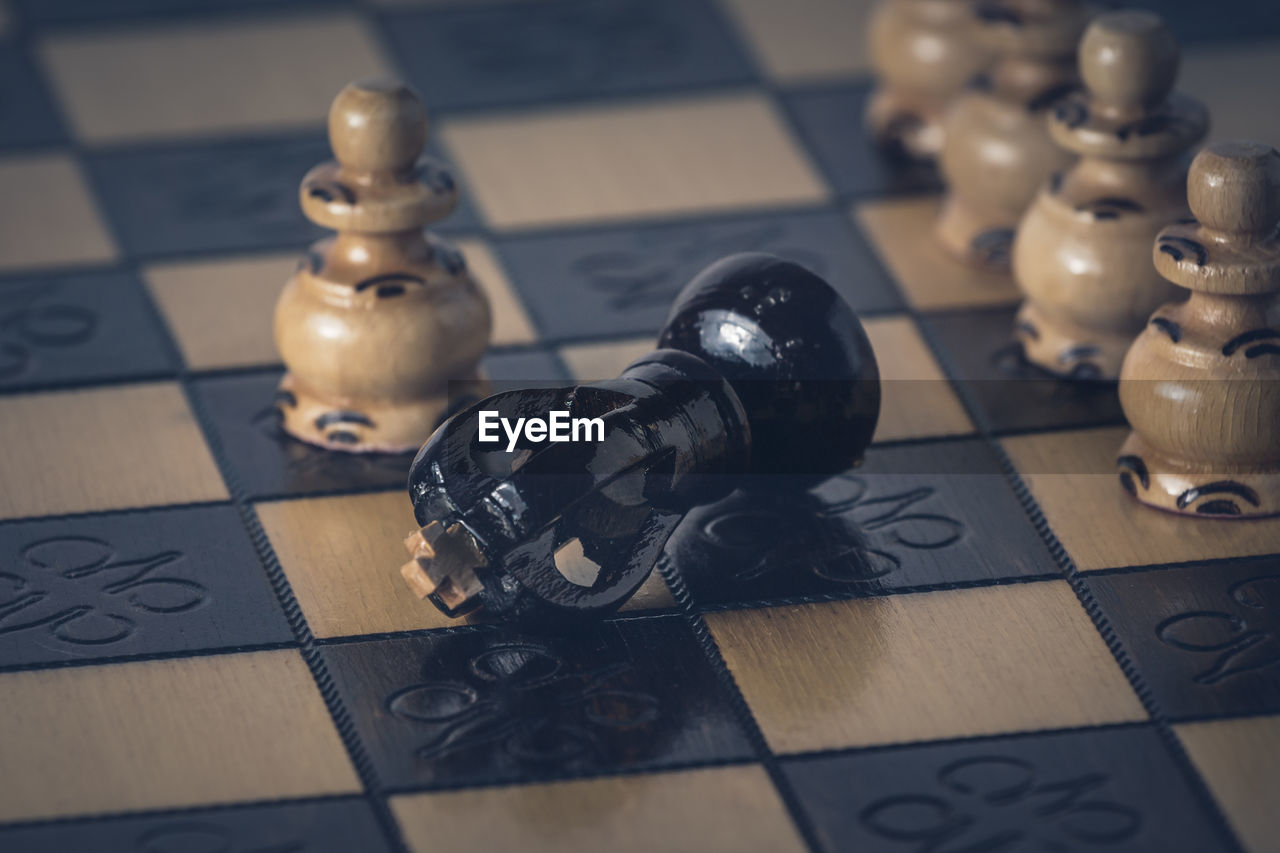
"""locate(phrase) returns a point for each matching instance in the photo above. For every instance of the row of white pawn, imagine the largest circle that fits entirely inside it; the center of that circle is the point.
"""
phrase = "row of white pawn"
(1085, 194)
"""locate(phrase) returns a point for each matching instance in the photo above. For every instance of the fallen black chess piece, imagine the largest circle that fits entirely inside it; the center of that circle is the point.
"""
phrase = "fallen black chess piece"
(762, 368)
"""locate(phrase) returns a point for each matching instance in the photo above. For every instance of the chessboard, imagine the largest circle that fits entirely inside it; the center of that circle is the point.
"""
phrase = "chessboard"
(205, 642)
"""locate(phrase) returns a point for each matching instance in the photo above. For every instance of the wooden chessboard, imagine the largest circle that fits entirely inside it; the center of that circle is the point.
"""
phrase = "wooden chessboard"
(205, 644)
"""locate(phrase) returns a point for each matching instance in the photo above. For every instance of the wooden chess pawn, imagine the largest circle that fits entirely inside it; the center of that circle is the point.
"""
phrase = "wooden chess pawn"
(923, 52)
(378, 319)
(997, 149)
(1201, 384)
(1082, 254)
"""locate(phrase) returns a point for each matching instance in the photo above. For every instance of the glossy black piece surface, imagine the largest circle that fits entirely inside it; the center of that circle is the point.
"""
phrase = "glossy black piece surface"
(763, 369)
(795, 355)
(913, 517)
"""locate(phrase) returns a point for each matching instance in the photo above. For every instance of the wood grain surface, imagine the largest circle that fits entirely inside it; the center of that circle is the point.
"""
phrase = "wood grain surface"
(166, 733)
(103, 448)
(594, 362)
(220, 310)
(916, 401)
(511, 324)
(678, 156)
(726, 808)
(956, 663)
(901, 232)
(59, 224)
(1072, 478)
(343, 554)
(1237, 757)
(806, 39)
(176, 80)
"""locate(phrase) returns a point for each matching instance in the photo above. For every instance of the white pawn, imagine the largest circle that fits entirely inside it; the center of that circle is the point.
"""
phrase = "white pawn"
(1082, 254)
(379, 318)
(924, 53)
(1201, 384)
(997, 149)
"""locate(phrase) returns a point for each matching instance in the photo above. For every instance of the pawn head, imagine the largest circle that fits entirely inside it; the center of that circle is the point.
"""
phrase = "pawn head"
(795, 354)
(1129, 59)
(1234, 187)
(1045, 28)
(377, 125)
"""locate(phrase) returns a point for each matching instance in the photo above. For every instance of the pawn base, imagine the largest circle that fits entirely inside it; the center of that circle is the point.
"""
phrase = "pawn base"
(977, 239)
(1068, 349)
(903, 130)
(370, 426)
(1186, 488)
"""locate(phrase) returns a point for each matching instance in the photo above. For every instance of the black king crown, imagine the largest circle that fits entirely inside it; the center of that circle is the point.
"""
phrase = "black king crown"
(761, 368)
